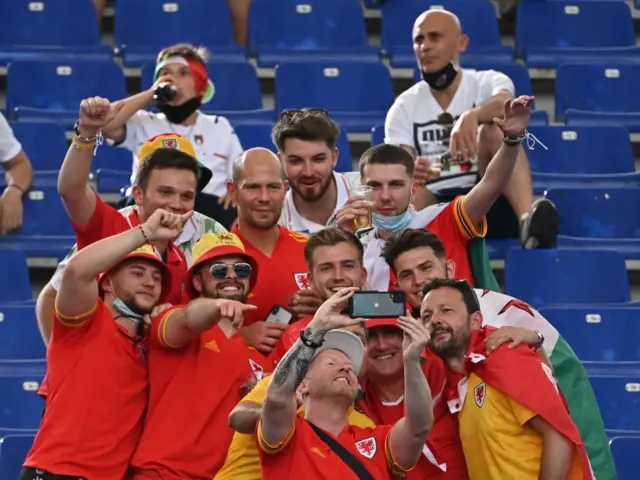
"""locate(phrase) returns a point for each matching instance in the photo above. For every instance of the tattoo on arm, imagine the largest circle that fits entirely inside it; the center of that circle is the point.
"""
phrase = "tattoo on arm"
(294, 365)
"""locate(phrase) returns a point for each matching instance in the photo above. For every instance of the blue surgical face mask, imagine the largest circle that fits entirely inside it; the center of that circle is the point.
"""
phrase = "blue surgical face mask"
(392, 223)
(126, 311)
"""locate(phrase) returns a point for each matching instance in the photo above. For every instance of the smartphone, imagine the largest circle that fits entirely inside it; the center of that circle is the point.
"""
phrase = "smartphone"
(390, 304)
(279, 314)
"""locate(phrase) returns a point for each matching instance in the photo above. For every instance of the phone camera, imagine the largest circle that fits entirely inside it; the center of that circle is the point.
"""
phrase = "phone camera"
(275, 310)
(396, 297)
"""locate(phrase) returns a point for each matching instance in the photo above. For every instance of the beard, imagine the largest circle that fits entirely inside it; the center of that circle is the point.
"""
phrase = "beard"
(218, 291)
(311, 195)
(454, 347)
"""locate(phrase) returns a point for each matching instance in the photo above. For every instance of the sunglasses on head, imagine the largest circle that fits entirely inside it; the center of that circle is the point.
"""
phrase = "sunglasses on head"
(219, 270)
(288, 114)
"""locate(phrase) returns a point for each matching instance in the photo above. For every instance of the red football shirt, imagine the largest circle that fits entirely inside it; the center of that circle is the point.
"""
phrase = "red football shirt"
(304, 456)
(106, 221)
(443, 443)
(290, 336)
(454, 228)
(96, 397)
(279, 276)
(192, 392)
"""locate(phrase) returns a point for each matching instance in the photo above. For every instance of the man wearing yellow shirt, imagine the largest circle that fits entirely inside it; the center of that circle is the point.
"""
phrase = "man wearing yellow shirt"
(513, 421)
(335, 261)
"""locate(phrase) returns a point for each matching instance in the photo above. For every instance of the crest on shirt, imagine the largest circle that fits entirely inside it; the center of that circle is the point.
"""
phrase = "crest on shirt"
(199, 139)
(480, 393)
(169, 143)
(258, 371)
(367, 447)
(302, 280)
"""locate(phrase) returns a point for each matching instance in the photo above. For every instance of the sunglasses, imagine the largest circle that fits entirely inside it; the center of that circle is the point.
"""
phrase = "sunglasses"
(219, 270)
(288, 114)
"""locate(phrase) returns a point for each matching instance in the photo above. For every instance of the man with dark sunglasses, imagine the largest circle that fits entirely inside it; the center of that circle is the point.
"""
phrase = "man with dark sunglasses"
(199, 368)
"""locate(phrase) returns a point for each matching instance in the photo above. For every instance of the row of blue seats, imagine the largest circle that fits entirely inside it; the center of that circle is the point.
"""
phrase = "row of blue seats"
(595, 332)
(547, 33)
(539, 277)
(358, 96)
(575, 156)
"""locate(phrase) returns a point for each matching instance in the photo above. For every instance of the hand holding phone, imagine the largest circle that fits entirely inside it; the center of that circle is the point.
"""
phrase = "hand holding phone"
(280, 315)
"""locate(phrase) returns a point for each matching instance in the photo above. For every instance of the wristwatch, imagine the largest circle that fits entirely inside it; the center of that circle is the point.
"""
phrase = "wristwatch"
(540, 339)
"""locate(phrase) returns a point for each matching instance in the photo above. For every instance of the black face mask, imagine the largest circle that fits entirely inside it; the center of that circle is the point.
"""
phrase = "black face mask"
(442, 79)
(179, 113)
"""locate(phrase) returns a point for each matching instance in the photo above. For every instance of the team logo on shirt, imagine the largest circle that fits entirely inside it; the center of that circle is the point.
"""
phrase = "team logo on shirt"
(367, 447)
(258, 371)
(169, 143)
(480, 393)
(198, 139)
(302, 280)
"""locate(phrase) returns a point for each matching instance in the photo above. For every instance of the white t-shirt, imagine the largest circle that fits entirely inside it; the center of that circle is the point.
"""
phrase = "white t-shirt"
(412, 119)
(9, 145)
(213, 138)
(293, 220)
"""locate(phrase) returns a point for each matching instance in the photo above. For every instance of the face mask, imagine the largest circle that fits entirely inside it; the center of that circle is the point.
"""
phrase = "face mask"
(126, 311)
(392, 223)
(179, 113)
(442, 79)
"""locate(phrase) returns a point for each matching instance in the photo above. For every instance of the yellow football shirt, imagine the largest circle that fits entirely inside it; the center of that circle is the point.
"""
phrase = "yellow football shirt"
(243, 460)
(498, 443)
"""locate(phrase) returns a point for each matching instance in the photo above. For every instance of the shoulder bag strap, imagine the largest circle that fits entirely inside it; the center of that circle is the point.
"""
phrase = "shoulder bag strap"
(345, 455)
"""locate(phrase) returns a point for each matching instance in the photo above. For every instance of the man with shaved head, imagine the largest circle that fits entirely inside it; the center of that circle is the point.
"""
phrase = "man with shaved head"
(257, 188)
(448, 119)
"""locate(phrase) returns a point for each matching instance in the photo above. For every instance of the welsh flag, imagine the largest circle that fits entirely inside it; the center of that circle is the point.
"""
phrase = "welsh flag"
(500, 310)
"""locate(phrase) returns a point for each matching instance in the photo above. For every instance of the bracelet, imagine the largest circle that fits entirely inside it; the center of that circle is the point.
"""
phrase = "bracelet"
(82, 144)
(144, 234)
(310, 343)
(514, 141)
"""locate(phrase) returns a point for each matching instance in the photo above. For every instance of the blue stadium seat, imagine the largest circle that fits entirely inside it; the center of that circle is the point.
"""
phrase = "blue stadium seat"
(625, 455)
(15, 285)
(345, 160)
(255, 135)
(599, 218)
(551, 33)
(237, 92)
(144, 27)
(545, 277)
(599, 333)
(580, 156)
(323, 30)
(617, 389)
(52, 90)
(478, 19)
(19, 335)
(44, 143)
(357, 95)
(377, 135)
(20, 405)
(112, 167)
(598, 94)
(46, 231)
(13, 451)
(30, 30)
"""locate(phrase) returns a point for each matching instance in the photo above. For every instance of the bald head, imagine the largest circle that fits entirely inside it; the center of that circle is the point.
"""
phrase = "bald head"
(440, 20)
(255, 158)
